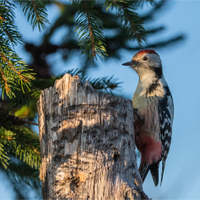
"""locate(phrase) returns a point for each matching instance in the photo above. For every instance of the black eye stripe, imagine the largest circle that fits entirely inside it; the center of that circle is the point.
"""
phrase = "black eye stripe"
(145, 58)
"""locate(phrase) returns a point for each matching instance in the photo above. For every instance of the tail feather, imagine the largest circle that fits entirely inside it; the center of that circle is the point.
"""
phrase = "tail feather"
(154, 172)
(163, 168)
(144, 169)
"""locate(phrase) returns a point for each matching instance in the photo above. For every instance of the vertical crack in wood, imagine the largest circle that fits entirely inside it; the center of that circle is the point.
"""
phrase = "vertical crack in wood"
(95, 172)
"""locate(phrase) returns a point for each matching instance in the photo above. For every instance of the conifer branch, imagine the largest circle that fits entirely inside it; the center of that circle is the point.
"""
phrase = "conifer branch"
(13, 70)
(36, 12)
(5, 81)
(10, 65)
(27, 146)
(2, 19)
(34, 7)
(6, 137)
(31, 123)
(131, 22)
(8, 27)
(24, 143)
(3, 156)
(9, 35)
(21, 175)
(90, 29)
(104, 84)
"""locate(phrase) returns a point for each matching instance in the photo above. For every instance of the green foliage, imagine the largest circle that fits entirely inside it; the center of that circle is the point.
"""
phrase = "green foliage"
(22, 178)
(89, 25)
(3, 156)
(117, 35)
(130, 20)
(89, 28)
(27, 146)
(5, 137)
(19, 140)
(19, 154)
(19, 145)
(14, 72)
(22, 172)
(24, 104)
(9, 32)
(36, 12)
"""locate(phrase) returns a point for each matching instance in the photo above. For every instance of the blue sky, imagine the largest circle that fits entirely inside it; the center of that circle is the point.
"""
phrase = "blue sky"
(182, 72)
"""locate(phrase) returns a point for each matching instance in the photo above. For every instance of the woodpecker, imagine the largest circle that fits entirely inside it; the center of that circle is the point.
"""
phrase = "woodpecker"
(153, 111)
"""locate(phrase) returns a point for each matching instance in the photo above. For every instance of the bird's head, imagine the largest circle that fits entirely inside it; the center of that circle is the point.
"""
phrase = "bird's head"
(146, 62)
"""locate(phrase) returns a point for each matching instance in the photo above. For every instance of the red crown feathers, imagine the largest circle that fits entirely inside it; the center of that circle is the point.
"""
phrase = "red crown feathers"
(147, 51)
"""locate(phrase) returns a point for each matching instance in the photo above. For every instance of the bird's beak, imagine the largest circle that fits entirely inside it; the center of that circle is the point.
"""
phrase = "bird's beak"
(131, 63)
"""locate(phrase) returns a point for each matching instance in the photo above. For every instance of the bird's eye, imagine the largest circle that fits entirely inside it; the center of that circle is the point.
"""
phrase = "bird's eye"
(145, 58)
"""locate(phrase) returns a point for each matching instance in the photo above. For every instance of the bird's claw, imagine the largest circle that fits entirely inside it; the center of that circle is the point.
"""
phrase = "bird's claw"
(135, 110)
(141, 119)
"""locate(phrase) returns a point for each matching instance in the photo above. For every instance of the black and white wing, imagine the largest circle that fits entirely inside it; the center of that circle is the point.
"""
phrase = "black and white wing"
(166, 115)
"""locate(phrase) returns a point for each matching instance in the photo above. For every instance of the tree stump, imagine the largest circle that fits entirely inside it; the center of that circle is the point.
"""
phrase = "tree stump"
(87, 144)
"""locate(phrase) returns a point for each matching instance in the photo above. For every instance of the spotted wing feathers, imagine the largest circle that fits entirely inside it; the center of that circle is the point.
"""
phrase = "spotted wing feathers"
(166, 114)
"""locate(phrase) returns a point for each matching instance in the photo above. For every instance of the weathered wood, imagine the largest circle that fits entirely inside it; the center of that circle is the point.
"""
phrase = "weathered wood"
(87, 144)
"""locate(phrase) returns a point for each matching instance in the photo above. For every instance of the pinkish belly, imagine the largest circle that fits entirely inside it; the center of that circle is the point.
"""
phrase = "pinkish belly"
(150, 149)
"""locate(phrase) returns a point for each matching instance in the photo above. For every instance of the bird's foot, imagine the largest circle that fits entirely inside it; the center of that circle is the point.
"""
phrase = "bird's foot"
(140, 118)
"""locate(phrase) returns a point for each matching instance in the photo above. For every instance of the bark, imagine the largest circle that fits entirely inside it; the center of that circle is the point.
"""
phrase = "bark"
(87, 144)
